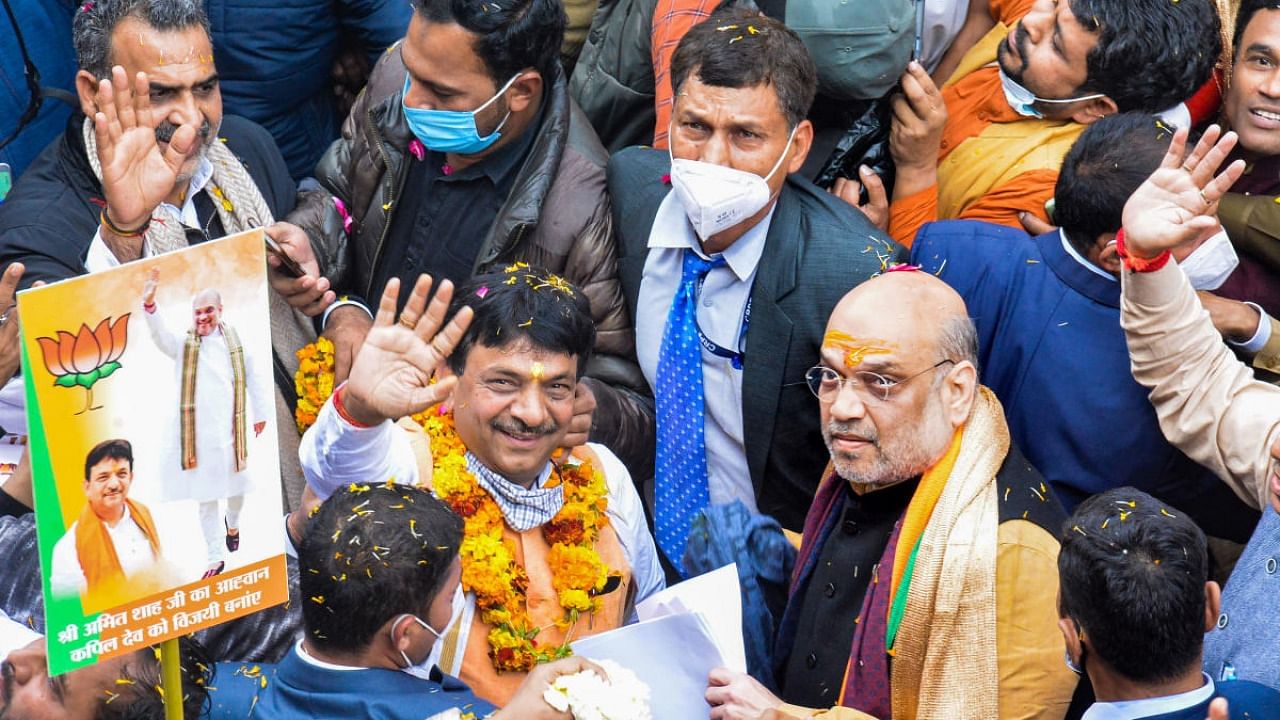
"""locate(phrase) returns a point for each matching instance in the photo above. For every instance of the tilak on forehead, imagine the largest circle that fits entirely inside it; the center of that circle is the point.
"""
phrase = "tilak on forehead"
(855, 350)
(191, 57)
(536, 371)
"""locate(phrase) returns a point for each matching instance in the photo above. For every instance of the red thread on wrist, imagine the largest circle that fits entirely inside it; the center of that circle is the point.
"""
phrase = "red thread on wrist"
(342, 410)
(1137, 264)
(150, 307)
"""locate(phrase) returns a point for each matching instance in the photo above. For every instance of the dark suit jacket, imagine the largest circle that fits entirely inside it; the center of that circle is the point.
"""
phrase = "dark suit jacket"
(818, 248)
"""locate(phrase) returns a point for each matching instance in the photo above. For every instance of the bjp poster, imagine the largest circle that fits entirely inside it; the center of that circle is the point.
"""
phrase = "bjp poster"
(153, 449)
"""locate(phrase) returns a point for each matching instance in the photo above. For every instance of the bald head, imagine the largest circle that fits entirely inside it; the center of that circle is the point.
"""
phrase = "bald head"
(912, 310)
(905, 351)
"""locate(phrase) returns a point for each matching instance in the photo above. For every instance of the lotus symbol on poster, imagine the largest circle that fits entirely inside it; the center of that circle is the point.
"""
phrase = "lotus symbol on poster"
(87, 356)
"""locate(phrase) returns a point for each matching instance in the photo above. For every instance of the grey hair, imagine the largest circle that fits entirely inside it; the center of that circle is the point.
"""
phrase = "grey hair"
(958, 340)
(96, 21)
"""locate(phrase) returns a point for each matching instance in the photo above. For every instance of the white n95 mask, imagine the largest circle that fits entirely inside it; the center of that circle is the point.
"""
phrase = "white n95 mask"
(457, 605)
(1209, 266)
(716, 197)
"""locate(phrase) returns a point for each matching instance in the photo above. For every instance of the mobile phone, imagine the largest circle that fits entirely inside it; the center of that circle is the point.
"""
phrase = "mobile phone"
(288, 265)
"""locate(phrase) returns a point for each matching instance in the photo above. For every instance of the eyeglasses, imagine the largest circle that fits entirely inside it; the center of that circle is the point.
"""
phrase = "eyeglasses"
(825, 383)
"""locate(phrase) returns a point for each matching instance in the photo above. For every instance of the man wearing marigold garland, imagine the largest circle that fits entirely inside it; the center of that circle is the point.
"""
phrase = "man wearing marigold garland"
(219, 394)
(555, 549)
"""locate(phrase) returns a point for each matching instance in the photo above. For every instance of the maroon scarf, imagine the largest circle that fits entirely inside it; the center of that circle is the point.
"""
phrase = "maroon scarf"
(866, 679)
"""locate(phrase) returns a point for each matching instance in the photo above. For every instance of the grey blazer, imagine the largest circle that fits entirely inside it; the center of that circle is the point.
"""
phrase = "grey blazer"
(818, 248)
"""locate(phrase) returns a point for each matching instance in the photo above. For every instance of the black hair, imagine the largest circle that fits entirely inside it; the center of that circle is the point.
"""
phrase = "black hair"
(372, 552)
(95, 22)
(511, 34)
(524, 303)
(1132, 572)
(1151, 54)
(1249, 8)
(115, 449)
(137, 696)
(740, 48)
(1107, 163)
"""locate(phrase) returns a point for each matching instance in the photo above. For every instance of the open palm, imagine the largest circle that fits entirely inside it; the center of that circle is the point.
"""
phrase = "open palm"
(391, 375)
(136, 174)
(1179, 201)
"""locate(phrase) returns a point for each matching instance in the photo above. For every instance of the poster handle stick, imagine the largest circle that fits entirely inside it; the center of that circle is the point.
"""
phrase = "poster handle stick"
(171, 678)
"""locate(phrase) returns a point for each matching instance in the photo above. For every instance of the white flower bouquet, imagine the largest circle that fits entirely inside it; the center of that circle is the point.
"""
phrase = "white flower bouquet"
(587, 696)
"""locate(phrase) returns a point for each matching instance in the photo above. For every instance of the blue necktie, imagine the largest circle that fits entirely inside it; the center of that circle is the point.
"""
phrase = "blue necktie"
(681, 488)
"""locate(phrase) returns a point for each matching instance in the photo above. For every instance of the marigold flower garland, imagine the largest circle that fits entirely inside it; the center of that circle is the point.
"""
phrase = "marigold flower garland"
(313, 382)
(489, 567)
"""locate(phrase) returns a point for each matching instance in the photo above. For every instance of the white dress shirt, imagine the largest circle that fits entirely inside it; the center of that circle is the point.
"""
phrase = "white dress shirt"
(1260, 338)
(131, 546)
(719, 309)
(100, 256)
(1135, 709)
(335, 453)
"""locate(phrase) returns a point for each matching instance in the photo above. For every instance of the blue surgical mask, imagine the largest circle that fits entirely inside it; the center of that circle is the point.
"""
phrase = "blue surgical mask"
(452, 131)
(1023, 100)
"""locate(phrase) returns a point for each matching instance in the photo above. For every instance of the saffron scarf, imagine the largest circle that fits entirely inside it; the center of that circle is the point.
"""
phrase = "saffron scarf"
(187, 404)
(96, 552)
(935, 612)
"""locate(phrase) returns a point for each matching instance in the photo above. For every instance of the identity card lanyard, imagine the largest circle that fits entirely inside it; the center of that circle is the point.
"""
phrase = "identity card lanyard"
(735, 357)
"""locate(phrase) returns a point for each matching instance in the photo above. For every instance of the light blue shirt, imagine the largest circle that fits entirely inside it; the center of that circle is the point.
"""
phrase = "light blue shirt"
(1134, 709)
(720, 306)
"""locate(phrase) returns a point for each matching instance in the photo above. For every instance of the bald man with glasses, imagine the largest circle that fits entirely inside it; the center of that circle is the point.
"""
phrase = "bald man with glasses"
(931, 539)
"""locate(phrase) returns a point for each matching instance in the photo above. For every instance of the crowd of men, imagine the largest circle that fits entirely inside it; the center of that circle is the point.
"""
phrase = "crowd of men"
(988, 422)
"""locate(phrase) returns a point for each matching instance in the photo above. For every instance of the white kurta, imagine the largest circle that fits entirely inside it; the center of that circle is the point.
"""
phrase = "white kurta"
(131, 546)
(214, 476)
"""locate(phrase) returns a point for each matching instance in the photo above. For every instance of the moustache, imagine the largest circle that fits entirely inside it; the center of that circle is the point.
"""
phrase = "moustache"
(166, 129)
(1021, 39)
(519, 427)
(868, 433)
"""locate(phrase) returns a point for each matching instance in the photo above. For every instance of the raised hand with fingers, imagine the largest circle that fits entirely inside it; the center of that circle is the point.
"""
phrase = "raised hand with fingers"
(1180, 199)
(136, 174)
(149, 287)
(919, 119)
(391, 375)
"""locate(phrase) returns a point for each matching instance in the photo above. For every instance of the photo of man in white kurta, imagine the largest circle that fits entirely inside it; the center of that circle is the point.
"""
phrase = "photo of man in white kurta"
(218, 394)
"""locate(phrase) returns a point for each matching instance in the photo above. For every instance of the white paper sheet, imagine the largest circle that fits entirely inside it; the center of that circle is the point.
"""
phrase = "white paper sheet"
(717, 595)
(672, 654)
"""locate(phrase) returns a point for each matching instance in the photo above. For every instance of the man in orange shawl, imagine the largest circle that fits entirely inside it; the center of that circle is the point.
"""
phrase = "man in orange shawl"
(927, 577)
(112, 547)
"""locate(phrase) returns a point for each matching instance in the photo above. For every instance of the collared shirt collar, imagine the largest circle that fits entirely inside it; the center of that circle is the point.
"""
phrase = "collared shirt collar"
(1135, 709)
(126, 516)
(314, 661)
(1071, 250)
(199, 179)
(742, 257)
(522, 508)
